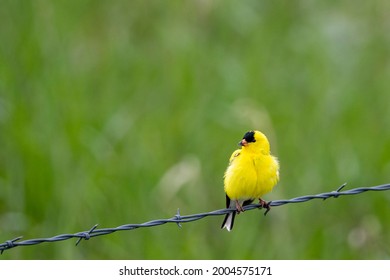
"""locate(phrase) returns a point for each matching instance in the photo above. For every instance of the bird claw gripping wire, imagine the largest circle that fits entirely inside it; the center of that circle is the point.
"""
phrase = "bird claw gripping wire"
(267, 206)
(10, 244)
(178, 217)
(264, 205)
(86, 235)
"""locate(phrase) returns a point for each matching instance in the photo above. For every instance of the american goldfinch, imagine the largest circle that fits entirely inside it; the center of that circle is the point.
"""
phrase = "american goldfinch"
(252, 172)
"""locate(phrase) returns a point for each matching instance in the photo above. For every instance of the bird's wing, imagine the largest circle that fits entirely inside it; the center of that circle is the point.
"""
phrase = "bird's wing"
(227, 201)
(234, 155)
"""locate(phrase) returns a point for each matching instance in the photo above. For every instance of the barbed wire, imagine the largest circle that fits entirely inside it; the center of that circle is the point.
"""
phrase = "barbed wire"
(179, 219)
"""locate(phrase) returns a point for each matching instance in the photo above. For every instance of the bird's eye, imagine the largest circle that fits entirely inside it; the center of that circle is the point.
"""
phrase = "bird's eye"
(249, 136)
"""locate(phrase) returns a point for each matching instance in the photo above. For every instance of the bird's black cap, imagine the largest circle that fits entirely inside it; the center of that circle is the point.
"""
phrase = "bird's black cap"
(249, 136)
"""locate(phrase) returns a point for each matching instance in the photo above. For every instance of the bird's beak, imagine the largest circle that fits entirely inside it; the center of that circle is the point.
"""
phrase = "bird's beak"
(243, 143)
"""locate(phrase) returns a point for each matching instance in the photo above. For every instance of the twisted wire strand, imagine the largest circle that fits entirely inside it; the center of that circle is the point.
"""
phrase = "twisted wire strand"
(179, 219)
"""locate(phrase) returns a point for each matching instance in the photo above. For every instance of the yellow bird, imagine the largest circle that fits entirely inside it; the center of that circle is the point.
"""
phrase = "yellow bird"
(252, 172)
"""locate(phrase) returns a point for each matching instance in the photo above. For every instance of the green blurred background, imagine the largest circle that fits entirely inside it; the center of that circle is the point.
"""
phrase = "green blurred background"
(116, 112)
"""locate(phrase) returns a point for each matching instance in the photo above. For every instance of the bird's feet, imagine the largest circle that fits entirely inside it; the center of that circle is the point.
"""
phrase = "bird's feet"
(239, 207)
(265, 205)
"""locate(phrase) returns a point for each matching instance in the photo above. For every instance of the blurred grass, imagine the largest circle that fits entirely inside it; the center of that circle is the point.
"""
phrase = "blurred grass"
(122, 112)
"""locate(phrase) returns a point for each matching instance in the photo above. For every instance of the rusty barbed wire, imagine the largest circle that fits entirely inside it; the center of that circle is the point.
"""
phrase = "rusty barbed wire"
(179, 219)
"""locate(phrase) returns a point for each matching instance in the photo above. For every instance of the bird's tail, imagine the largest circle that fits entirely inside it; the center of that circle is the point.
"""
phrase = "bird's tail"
(229, 221)
(229, 218)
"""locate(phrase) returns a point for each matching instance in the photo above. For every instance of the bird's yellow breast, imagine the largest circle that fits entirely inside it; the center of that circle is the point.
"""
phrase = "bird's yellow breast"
(249, 175)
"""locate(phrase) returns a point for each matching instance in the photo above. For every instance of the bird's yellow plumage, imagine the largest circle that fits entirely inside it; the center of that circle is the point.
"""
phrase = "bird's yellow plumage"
(252, 172)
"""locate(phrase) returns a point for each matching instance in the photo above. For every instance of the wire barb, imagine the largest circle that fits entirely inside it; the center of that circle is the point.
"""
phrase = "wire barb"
(336, 192)
(86, 234)
(179, 219)
(341, 187)
(10, 244)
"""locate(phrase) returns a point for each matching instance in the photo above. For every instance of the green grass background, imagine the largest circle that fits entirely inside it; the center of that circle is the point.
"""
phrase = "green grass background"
(116, 112)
